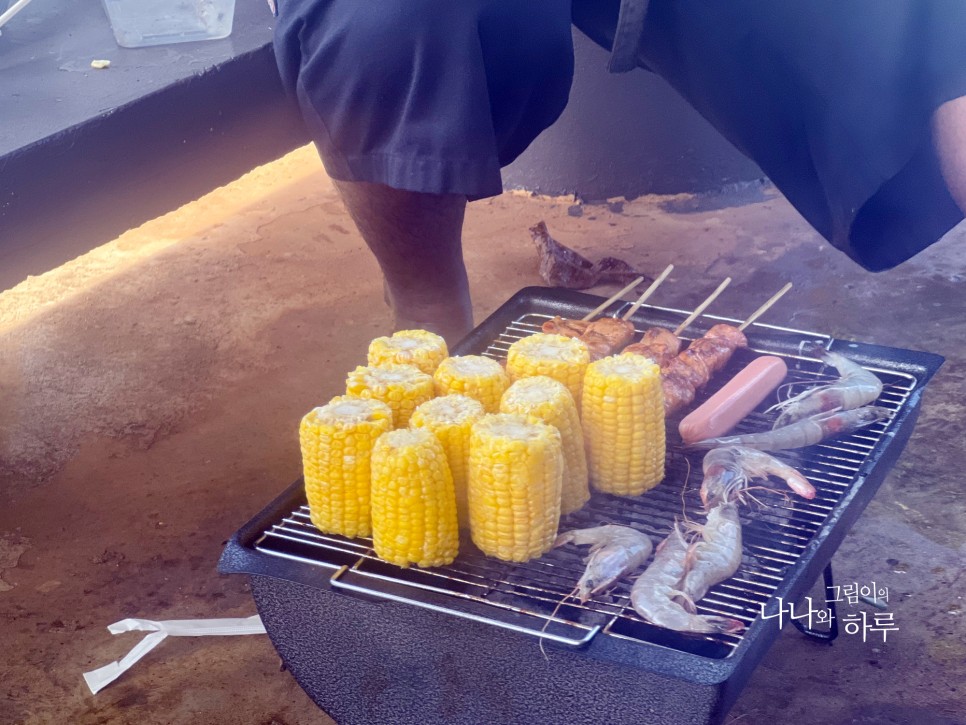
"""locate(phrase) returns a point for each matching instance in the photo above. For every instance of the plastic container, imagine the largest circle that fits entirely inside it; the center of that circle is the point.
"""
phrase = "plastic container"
(140, 23)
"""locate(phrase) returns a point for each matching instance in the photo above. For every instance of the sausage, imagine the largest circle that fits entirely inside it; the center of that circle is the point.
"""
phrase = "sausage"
(739, 396)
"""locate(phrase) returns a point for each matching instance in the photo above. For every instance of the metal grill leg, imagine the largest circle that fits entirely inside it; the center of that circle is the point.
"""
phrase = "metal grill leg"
(824, 635)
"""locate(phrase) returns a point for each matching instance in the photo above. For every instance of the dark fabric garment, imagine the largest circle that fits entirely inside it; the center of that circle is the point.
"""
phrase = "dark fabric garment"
(831, 99)
(425, 95)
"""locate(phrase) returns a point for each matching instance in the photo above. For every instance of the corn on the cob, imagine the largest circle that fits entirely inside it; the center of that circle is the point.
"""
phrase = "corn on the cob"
(424, 349)
(413, 502)
(401, 387)
(336, 441)
(451, 417)
(623, 422)
(478, 377)
(516, 467)
(551, 402)
(562, 358)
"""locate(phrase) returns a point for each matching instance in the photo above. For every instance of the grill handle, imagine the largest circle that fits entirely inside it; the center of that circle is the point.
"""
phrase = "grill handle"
(337, 583)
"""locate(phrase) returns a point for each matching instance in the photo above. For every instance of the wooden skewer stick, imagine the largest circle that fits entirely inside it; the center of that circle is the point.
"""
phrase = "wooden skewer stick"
(613, 298)
(702, 307)
(648, 292)
(764, 308)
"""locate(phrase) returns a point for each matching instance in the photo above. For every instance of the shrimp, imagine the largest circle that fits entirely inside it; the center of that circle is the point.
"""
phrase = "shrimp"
(615, 552)
(805, 432)
(855, 387)
(715, 555)
(653, 594)
(729, 470)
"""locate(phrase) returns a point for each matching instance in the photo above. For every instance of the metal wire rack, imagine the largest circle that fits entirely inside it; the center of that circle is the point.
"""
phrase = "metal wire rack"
(534, 597)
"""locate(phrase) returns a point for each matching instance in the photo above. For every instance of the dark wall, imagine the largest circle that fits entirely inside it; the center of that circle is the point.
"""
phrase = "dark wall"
(625, 135)
(87, 154)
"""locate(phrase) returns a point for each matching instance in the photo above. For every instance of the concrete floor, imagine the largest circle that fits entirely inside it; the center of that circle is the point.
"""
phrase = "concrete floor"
(152, 390)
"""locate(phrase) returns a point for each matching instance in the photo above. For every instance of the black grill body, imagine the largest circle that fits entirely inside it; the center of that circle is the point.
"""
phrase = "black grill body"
(371, 643)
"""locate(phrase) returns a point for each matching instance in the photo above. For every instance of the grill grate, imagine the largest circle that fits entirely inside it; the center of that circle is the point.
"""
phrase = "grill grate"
(775, 537)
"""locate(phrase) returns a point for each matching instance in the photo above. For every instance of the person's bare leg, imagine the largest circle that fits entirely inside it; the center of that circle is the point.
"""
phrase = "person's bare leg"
(417, 240)
(949, 137)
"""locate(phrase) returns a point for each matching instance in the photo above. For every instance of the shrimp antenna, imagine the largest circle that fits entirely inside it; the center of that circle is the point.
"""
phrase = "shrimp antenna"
(648, 292)
(764, 308)
(813, 387)
(702, 307)
(613, 298)
(784, 389)
(553, 615)
(761, 504)
(684, 489)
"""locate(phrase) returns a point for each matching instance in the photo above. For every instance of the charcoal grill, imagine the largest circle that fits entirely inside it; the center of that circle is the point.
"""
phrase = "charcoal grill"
(372, 643)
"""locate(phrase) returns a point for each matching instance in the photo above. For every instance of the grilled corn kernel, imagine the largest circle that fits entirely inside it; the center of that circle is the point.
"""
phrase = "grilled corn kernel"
(413, 502)
(336, 441)
(424, 349)
(623, 421)
(551, 402)
(401, 387)
(562, 358)
(451, 417)
(475, 376)
(515, 472)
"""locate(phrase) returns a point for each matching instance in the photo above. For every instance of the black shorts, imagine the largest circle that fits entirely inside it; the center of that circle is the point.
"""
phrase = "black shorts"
(425, 95)
(832, 99)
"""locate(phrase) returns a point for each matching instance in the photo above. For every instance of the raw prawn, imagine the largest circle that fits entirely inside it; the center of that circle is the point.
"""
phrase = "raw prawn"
(615, 552)
(653, 595)
(805, 432)
(855, 387)
(715, 555)
(729, 470)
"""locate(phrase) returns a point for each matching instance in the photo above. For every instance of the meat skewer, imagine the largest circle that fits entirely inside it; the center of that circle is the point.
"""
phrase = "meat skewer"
(576, 328)
(662, 345)
(605, 335)
(608, 335)
(693, 368)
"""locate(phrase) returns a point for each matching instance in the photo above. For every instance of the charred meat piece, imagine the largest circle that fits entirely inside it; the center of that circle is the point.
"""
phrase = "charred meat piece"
(678, 392)
(734, 337)
(617, 333)
(565, 327)
(604, 336)
(598, 345)
(694, 367)
(657, 344)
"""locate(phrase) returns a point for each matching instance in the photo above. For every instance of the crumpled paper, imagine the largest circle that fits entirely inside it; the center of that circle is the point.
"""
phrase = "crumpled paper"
(100, 678)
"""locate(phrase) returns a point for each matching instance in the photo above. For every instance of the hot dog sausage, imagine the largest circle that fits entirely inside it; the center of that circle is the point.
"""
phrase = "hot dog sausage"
(739, 396)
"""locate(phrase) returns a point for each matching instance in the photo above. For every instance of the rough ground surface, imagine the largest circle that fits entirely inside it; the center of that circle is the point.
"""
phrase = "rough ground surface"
(151, 391)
